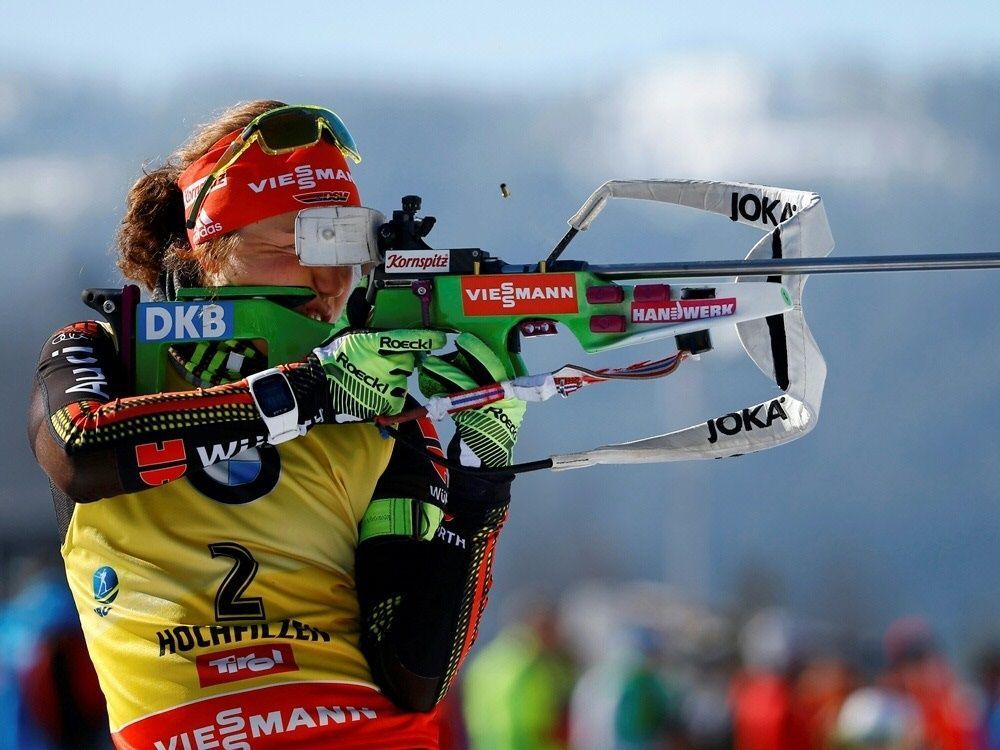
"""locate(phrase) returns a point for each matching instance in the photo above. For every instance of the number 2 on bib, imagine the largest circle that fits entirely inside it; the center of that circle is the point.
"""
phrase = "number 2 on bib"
(230, 604)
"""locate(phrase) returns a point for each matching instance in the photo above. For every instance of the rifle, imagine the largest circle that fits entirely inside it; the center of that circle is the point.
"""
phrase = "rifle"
(457, 290)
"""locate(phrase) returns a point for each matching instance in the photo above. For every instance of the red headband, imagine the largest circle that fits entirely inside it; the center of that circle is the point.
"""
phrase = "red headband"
(257, 186)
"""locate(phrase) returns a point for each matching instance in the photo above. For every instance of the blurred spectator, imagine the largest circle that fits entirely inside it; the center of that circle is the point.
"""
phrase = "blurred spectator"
(918, 671)
(761, 694)
(820, 689)
(784, 699)
(49, 695)
(876, 719)
(989, 683)
(706, 715)
(623, 703)
(516, 690)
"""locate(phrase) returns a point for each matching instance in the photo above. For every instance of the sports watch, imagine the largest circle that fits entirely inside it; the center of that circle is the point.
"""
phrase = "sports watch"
(276, 404)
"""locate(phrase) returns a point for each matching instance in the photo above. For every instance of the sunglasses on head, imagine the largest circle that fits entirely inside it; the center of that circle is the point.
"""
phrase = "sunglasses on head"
(279, 131)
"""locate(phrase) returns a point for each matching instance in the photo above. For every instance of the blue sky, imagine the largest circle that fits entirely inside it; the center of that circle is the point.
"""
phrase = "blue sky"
(501, 45)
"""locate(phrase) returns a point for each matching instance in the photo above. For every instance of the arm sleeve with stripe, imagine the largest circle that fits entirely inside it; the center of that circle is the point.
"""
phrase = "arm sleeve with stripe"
(154, 438)
(421, 601)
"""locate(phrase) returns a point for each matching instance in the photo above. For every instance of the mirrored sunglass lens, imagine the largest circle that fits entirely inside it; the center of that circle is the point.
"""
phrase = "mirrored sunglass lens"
(295, 127)
(287, 130)
(330, 122)
(341, 135)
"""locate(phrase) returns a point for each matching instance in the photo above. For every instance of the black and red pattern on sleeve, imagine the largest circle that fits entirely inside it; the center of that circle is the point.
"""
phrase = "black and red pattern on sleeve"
(155, 438)
(422, 601)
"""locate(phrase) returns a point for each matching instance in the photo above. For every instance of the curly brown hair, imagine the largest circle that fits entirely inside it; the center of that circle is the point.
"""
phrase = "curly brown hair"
(152, 237)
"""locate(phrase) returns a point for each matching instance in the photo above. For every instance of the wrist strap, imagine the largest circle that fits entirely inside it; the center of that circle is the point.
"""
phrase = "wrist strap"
(400, 516)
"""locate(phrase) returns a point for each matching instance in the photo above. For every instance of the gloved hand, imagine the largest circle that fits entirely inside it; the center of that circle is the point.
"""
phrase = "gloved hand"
(489, 431)
(366, 371)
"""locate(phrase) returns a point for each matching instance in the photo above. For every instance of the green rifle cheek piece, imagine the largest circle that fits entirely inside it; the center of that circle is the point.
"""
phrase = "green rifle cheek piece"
(261, 314)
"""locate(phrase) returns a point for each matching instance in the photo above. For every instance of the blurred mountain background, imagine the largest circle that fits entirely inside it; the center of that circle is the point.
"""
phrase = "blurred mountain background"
(890, 506)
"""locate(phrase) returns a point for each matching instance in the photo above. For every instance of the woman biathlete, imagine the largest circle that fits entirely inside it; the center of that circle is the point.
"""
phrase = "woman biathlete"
(254, 565)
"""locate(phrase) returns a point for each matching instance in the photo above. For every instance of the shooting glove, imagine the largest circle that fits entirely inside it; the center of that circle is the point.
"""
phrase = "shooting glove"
(366, 371)
(489, 431)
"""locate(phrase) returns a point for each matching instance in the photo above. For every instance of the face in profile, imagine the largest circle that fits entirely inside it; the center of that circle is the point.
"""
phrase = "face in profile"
(265, 256)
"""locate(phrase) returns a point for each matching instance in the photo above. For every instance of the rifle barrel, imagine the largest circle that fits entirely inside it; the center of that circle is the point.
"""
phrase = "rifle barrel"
(798, 266)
